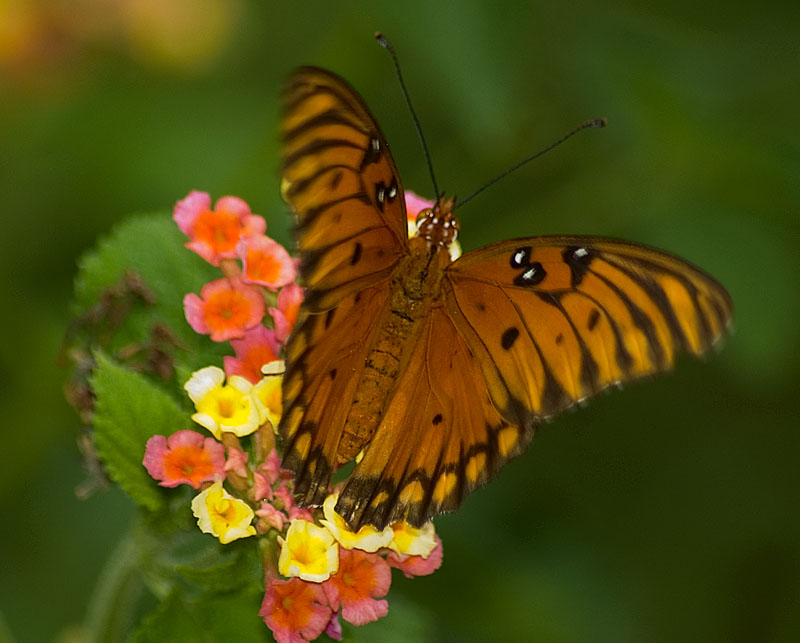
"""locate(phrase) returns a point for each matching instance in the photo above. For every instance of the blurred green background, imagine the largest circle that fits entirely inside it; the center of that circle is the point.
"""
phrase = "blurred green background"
(668, 512)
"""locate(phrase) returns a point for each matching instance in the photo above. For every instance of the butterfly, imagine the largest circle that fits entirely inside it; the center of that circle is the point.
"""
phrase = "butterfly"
(432, 373)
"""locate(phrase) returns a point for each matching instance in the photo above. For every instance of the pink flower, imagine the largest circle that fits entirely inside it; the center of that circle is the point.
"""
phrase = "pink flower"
(361, 579)
(334, 629)
(272, 516)
(283, 494)
(285, 315)
(214, 234)
(417, 565)
(185, 457)
(271, 467)
(225, 309)
(256, 348)
(416, 204)
(295, 610)
(297, 513)
(266, 262)
(261, 487)
(236, 462)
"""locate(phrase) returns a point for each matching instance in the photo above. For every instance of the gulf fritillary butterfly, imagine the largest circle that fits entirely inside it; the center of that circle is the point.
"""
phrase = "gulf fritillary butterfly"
(433, 373)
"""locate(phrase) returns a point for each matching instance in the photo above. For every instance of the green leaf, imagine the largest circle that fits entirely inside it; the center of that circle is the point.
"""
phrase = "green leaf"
(172, 552)
(150, 246)
(129, 409)
(224, 617)
(224, 573)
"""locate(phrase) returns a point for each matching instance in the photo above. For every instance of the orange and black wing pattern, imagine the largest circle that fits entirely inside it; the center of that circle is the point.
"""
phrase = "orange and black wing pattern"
(342, 184)
(439, 439)
(555, 320)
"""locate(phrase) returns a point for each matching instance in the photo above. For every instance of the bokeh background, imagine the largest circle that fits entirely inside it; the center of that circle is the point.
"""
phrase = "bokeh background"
(668, 512)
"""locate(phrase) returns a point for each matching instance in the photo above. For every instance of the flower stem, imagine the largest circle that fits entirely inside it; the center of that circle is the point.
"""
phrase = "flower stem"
(112, 607)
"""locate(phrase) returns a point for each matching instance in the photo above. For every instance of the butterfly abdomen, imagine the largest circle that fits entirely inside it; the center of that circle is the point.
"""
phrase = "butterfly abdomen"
(415, 290)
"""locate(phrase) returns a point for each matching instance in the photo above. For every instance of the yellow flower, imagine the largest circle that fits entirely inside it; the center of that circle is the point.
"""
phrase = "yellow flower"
(308, 552)
(268, 393)
(367, 539)
(222, 515)
(222, 407)
(411, 541)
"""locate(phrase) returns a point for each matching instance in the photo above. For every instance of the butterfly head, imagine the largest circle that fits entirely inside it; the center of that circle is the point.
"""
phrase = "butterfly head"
(438, 225)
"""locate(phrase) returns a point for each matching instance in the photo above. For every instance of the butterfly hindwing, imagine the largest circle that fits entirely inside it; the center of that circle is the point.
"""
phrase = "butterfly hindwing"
(325, 358)
(554, 320)
(439, 439)
(342, 183)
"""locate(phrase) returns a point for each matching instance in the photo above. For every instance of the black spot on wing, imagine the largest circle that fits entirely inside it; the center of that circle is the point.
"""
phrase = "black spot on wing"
(578, 258)
(372, 154)
(509, 337)
(521, 257)
(356, 254)
(594, 317)
(532, 275)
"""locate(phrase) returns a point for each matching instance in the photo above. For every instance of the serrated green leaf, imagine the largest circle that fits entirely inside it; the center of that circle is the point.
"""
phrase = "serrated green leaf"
(151, 246)
(129, 409)
(219, 618)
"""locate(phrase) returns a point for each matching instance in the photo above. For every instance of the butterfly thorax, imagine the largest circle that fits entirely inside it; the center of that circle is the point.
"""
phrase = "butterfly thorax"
(415, 290)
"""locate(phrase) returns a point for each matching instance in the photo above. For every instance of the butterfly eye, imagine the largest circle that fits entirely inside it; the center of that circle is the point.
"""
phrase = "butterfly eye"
(423, 214)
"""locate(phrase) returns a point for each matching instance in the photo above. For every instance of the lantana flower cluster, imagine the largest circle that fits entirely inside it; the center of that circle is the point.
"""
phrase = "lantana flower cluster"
(320, 570)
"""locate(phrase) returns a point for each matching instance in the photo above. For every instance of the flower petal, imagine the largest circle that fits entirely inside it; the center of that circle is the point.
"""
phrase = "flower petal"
(308, 552)
(220, 514)
(367, 539)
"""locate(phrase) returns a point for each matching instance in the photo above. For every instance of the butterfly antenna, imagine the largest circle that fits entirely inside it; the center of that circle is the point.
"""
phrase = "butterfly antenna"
(383, 41)
(595, 122)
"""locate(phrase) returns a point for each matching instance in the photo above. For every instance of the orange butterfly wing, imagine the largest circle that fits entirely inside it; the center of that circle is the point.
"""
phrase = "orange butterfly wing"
(325, 356)
(341, 182)
(554, 320)
(439, 438)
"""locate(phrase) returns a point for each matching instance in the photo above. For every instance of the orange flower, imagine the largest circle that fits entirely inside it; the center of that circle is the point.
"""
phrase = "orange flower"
(225, 309)
(285, 315)
(362, 577)
(214, 234)
(266, 262)
(185, 457)
(256, 348)
(295, 610)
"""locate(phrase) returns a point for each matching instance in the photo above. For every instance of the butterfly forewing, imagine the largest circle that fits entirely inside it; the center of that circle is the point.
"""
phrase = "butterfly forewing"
(554, 320)
(342, 184)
